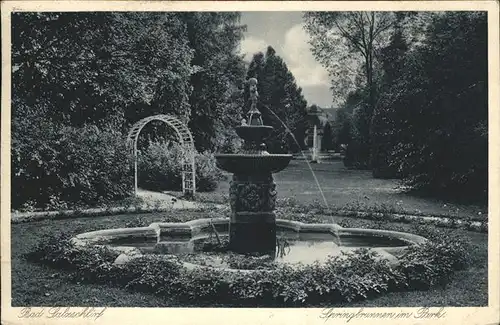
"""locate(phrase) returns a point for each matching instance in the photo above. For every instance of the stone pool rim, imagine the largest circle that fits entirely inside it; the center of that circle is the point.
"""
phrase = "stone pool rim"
(193, 228)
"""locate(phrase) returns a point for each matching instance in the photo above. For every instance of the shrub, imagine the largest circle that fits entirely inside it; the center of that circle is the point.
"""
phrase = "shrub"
(54, 250)
(353, 276)
(160, 168)
(249, 262)
(357, 155)
(136, 222)
(307, 217)
(63, 167)
(356, 275)
(150, 273)
(433, 263)
(91, 264)
(200, 285)
(94, 264)
(252, 287)
(207, 173)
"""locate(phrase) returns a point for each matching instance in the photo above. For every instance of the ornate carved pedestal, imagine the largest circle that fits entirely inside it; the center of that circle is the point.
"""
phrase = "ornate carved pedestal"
(253, 222)
(253, 192)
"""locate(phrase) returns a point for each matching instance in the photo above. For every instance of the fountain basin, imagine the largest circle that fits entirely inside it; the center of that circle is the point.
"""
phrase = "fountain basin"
(308, 243)
(248, 164)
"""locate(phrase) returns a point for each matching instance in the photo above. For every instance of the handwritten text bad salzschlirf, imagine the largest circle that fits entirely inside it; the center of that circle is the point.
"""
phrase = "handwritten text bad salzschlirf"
(62, 312)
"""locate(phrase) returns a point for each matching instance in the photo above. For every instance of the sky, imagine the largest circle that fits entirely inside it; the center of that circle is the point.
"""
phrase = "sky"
(284, 32)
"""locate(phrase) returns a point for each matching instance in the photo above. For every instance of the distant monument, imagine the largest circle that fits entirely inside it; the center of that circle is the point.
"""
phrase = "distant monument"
(314, 132)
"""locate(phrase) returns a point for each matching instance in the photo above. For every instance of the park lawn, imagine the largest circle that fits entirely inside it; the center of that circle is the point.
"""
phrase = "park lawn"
(38, 285)
(347, 188)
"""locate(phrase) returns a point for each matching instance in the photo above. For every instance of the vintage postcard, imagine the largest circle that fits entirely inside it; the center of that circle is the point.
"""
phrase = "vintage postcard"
(250, 162)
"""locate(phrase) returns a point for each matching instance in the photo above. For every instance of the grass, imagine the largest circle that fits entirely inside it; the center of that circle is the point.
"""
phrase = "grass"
(459, 293)
(350, 189)
(343, 190)
(37, 285)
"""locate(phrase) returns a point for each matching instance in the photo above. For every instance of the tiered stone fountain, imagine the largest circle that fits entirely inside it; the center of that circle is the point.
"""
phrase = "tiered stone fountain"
(252, 225)
(252, 190)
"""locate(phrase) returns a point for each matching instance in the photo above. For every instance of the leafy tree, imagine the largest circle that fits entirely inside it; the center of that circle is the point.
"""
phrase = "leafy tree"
(382, 127)
(349, 44)
(341, 40)
(100, 75)
(72, 83)
(440, 107)
(74, 71)
(327, 139)
(346, 43)
(419, 104)
(341, 128)
(350, 129)
(215, 100)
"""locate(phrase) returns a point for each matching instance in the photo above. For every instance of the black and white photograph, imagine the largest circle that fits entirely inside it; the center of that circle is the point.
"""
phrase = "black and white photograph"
(235, 156)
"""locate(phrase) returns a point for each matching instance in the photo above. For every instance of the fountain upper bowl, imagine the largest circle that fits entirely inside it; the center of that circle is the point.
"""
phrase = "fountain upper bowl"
(254, 133)
(253, 163)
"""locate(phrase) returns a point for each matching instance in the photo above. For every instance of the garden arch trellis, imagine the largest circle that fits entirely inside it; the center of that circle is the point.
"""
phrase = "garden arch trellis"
(186, 140)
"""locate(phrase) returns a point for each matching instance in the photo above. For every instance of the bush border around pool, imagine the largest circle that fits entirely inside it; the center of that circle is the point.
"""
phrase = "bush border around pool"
(361, 275)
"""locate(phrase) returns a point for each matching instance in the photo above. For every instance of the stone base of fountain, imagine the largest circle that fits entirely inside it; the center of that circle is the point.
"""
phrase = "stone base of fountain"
(257, 235)
(253, 222)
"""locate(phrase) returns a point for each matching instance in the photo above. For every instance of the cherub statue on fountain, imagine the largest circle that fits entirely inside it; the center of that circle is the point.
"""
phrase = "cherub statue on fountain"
(254, 94)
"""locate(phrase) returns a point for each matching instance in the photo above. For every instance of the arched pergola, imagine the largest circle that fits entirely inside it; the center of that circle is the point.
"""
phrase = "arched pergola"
(186, 140)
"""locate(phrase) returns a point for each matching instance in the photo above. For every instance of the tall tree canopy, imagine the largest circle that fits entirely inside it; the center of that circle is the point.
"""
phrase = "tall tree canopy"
(345, 41)
(78, 75)
(215, 100)
(347, 44)
(383, 135)
(438, 108)
(416, 102)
